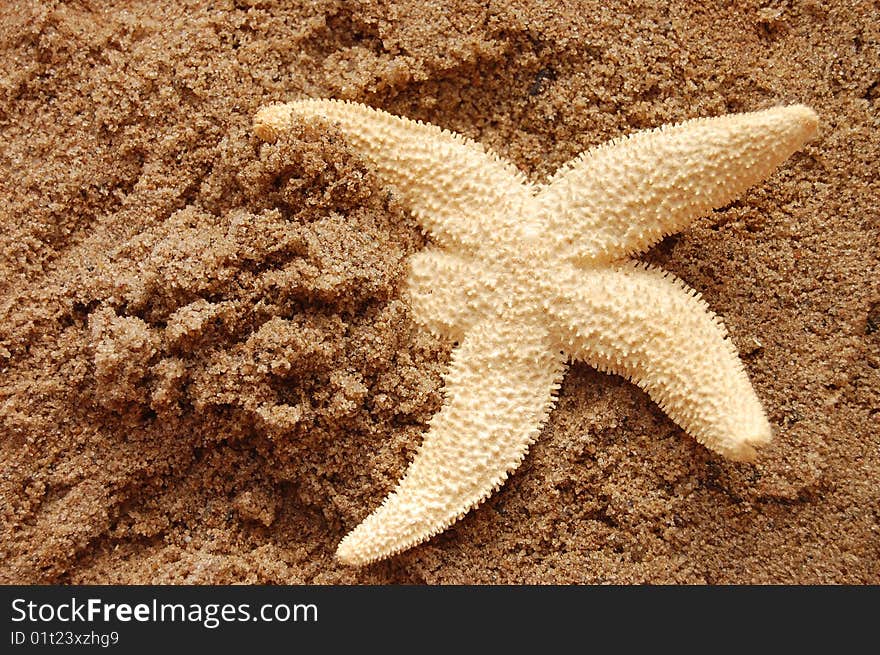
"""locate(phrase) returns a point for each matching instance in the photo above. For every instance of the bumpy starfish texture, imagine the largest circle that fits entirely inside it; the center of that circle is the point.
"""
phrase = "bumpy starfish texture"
(526, 276)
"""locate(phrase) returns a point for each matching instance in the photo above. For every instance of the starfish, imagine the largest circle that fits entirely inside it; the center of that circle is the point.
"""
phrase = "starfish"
(525, 277)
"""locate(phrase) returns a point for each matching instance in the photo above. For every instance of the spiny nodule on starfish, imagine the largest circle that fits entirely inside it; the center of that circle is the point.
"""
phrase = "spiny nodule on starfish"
(525, 276)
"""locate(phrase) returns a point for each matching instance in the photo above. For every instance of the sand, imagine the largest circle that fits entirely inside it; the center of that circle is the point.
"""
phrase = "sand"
(207, 370)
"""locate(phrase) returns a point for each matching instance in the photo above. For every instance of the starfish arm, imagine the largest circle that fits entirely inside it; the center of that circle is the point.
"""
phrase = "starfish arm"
(621, 198)
(447, 292)
(459, 192)
(648, 326)
(500, 387)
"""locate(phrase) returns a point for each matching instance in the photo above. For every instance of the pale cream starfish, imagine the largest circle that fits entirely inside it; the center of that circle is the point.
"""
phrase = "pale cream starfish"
(526, 276)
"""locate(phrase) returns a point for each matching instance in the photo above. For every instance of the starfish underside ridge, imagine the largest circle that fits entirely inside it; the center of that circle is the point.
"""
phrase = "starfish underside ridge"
(527, 276)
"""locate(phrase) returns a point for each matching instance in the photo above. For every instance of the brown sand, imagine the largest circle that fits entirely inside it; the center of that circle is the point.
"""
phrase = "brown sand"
(207, 374)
